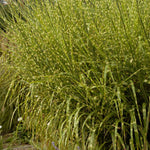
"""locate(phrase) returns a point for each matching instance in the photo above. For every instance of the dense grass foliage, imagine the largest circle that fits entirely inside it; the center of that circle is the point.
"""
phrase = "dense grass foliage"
(7, 105)
(5, 80)
(82, 72)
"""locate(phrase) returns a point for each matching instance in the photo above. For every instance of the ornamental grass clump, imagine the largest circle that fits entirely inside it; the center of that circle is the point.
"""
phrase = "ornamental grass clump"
(85, 66)
(6, 110)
